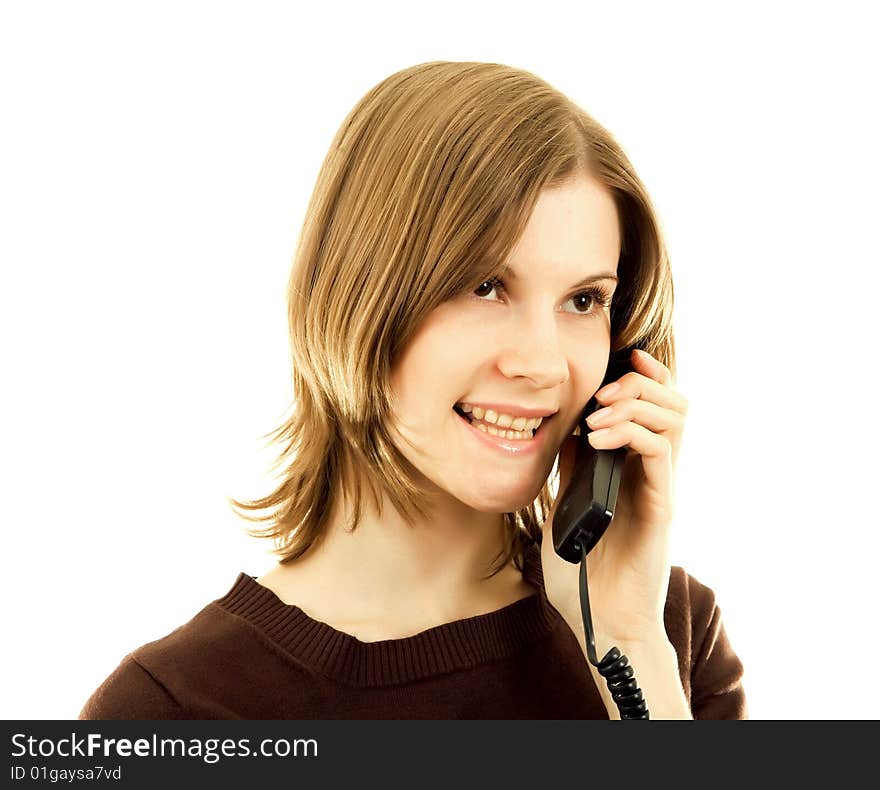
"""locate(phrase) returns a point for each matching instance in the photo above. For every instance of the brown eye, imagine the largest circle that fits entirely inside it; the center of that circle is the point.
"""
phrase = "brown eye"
(588, 297)
(593, 300)
(491, 283)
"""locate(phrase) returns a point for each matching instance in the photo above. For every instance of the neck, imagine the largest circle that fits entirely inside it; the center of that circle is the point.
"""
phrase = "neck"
(387, 571)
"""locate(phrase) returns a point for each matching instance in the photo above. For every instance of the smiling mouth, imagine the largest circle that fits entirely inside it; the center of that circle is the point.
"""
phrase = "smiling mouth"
(464, 415)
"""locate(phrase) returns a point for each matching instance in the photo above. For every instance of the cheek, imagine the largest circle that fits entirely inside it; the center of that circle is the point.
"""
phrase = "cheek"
(588, 371)
(414, 378)
(586, 378)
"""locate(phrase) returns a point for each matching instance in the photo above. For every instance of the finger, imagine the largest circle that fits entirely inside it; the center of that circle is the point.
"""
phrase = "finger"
(637, 385)
(655, 451)
(650, 415)
(651, 366)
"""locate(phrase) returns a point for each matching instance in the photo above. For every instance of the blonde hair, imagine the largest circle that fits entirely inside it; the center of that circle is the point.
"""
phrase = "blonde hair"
(427, 185)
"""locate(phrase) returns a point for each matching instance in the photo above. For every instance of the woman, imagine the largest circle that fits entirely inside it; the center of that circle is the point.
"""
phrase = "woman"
(475, 249)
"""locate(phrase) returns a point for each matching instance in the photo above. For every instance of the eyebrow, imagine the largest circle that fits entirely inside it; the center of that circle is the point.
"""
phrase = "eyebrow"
(507, 271)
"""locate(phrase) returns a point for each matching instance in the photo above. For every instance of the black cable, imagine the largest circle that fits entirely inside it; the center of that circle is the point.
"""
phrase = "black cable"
(614, 667)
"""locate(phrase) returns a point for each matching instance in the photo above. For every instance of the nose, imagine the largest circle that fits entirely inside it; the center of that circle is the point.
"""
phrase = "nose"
(534, 350)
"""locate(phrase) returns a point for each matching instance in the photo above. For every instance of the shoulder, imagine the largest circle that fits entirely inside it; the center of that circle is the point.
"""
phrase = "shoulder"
(131, 692)
(691, 611)
(688, 600)
(160, 679)
(711, 671)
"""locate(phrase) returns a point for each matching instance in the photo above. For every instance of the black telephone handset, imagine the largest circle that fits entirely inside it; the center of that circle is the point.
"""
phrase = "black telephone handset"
(583, 513)
(586, 506)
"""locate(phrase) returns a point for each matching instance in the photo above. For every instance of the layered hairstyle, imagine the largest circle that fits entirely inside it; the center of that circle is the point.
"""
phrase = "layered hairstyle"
(426, 187)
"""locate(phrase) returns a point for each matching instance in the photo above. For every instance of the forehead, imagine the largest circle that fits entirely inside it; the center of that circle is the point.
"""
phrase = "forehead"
(573, 227)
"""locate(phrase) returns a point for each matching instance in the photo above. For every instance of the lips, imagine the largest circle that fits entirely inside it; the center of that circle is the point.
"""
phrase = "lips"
(472, 421)
(467, 417)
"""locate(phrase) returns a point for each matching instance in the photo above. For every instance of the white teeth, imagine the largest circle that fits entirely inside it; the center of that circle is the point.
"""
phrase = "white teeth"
(501, 420)
(522, 435)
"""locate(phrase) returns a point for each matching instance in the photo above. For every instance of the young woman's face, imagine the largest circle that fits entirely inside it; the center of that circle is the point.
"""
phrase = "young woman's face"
(540, 341)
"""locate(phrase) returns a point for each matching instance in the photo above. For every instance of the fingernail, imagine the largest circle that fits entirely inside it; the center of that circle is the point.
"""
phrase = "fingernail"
(598, 416)
(607, 392)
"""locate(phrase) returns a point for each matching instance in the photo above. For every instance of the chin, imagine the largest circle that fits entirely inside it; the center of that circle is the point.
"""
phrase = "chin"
(504, 504)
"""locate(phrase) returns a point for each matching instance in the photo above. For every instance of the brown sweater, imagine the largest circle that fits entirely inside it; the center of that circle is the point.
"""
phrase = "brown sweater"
(248, 655)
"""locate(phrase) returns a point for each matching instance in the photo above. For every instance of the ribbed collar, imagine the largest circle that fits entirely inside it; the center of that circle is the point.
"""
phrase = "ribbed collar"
(444, 648)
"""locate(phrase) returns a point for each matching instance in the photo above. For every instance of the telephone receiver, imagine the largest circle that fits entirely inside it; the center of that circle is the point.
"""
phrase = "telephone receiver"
(585, 508)
(583, 513)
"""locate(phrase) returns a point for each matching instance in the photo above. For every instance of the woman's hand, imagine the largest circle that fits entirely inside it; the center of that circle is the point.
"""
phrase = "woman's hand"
(628, 569)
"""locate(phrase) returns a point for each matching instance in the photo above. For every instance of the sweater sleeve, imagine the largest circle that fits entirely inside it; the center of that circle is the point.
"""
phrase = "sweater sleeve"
(131, 692)
(716, 673)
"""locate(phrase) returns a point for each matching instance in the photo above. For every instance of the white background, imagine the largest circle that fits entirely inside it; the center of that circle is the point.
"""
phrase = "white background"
(156, 161)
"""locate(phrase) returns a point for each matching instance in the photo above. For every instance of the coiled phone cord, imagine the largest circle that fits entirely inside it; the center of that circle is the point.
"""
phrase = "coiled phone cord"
(614, 667)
